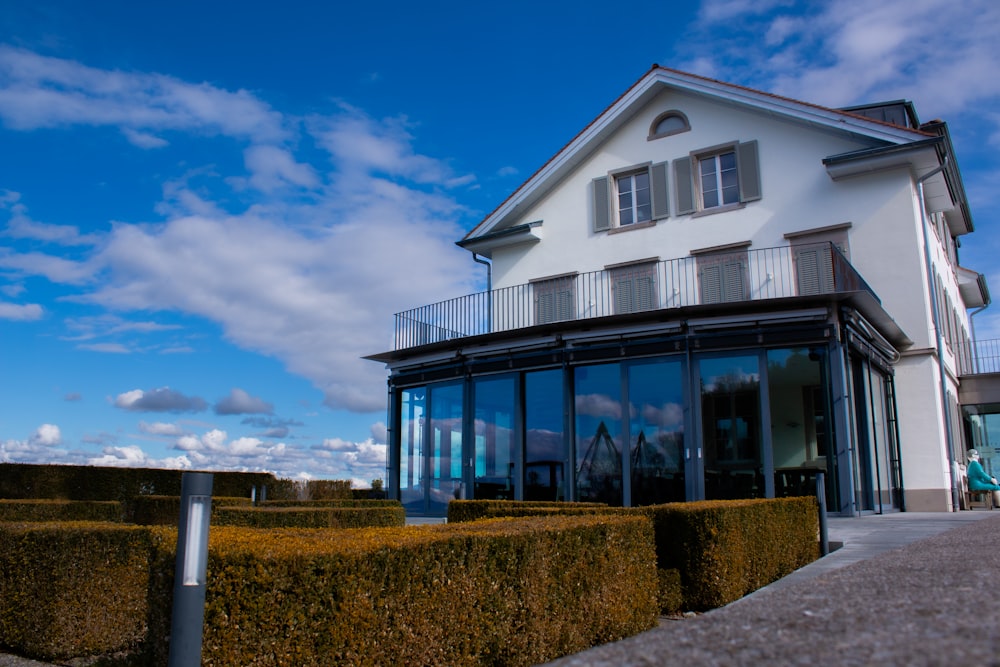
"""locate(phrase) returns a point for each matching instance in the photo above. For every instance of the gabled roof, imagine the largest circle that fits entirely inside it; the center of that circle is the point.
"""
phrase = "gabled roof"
(642, 91)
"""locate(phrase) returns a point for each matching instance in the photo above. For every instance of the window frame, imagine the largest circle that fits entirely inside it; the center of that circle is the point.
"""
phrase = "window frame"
(606, 215)
(654, 132)
(689, 193)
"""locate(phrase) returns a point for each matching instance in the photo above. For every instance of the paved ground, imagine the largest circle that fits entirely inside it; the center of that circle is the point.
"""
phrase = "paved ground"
(904, 589)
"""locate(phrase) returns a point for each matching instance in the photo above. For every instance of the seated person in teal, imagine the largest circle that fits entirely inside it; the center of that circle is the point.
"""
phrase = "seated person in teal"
(978, 479)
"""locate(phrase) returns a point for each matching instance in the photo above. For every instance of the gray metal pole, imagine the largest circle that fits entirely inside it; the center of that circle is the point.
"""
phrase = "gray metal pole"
(188, 617)
(824, 535)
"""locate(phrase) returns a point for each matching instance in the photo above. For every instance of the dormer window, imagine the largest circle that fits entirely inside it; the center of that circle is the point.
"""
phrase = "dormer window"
(668, 123)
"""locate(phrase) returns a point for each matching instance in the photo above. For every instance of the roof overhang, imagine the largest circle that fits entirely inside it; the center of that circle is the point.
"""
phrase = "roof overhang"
(973, 288)
(530, 232)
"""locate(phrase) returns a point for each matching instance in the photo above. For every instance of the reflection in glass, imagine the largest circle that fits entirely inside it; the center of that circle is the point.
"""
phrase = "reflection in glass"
(495, 473)
(598, 434)
(800, 421)
(545, 445)
(411, 448)
(730, 410)
(446, 443)
(656, 432)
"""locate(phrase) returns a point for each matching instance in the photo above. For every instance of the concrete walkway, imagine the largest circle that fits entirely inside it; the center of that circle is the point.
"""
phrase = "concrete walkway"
(904, 589)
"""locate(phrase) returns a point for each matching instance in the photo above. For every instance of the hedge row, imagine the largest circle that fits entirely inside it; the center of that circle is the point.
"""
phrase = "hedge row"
(474, 510)
(61, 510)
(311, 517)
(497, 592)
(73, 589)
(709, 553)
(166, 510)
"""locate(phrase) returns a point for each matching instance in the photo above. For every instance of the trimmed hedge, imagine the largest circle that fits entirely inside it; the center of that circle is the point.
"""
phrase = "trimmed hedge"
(725, 549)
(357, 502)
(166, 510)
(474, 510)
(73, 589)
(60, 510)
(709, 553)
(310, 517)
(500, 592)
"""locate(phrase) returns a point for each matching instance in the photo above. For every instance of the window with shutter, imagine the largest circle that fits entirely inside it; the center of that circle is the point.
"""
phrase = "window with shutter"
(717, 178)
(630, 197)
(634, 289)
(813, 258)
(555, 300)
(723, 278)
(814, 269)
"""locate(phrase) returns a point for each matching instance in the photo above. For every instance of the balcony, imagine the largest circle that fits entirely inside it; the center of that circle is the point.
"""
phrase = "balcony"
(736, 276)
(978, 357)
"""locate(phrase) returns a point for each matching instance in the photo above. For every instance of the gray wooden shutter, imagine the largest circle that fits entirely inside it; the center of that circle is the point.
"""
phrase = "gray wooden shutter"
(710, 278)
(807, 271)
(645, 293)
(602, 214)
(734, 281)
(685, 188)
(623, 296)
(748, 170)
(545, 308)
(658, 189)
(564, 304)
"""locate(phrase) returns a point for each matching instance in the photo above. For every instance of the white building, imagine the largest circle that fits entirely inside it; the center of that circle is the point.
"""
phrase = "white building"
(710, 292)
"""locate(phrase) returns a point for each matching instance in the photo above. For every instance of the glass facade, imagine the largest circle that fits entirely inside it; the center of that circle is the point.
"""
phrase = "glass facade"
(744, 423)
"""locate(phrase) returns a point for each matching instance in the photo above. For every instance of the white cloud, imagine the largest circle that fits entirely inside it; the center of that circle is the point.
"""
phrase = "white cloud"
(161, 428)
(20, 312)
(938, 53)
(240, 402)
(132, 456)
(43, 92)
(273, 168)
(47, 435)
(313, 266)
(164, 399)
(144, 139)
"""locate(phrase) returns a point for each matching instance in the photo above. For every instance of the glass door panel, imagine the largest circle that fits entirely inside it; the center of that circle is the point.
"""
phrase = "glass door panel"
(796, 384)
(496, 453)
(544, 438)
(413, 403)
(656, 432)
(598, 434)
(446, 447)
(731, 430)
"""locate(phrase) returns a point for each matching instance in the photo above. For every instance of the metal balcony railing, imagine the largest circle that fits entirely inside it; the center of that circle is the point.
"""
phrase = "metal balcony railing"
(746, 275)
(978, 356)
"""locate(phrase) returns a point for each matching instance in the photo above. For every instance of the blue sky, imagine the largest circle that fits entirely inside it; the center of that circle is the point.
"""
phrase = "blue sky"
(209, 212)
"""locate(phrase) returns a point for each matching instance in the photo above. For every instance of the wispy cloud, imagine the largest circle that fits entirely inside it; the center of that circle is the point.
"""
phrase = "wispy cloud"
(302, 258)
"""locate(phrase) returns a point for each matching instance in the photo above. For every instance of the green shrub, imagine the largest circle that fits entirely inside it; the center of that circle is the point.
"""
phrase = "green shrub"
(501, 592)
(60, 510)
(166, 510)
(474, 510)
(73, 589)
(726, 549)
(330, 503)
(310, 517)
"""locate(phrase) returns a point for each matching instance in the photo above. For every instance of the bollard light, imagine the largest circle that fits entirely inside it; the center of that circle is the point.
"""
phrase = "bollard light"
(199, 512)
(188, 613)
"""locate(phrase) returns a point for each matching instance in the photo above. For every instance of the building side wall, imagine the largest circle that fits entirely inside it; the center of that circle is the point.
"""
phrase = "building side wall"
(926, 468)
